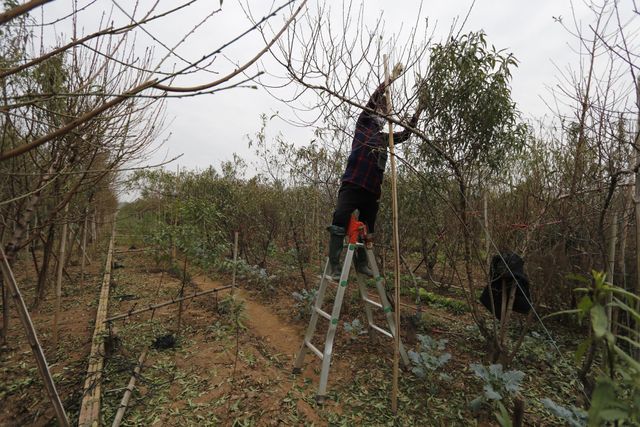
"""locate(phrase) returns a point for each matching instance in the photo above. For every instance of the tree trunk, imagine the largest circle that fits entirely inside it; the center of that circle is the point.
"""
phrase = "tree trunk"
(61, 260)
(46, 257)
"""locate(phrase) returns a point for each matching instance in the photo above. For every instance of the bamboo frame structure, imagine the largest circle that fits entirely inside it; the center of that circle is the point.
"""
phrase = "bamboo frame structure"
(163, 304)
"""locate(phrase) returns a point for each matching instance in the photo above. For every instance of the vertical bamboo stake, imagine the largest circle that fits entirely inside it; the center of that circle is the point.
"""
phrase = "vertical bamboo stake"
(94, 231)
(5, 308)
(84, 247)
(181, 294)
(316, 217)
(175, 217)
(4, 291)
(487, 243)
(626, 224)
(43, 368)
(637, 201)
(61, 259)
(396, 247)
(612, 260)
(34, 245)
(235, 261)
(622, 259)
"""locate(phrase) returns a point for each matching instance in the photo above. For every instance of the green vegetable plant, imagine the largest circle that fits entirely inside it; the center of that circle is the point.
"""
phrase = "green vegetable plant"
(430, 357)
(616, 394)
(574, 417)
(355, 328)
(498, 385)
(304, 303)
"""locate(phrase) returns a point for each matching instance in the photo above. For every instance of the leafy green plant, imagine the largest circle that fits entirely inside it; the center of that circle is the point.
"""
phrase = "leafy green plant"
(355, 328)
(616, 395)
(304, 303)
(430, 356)
(503, 417)
(574, 417)
(231, 306)
(498, 384)
(449, 304)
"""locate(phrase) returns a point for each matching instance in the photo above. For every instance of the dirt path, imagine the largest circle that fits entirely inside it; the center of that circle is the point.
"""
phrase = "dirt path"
(262, 321)
(281, 338)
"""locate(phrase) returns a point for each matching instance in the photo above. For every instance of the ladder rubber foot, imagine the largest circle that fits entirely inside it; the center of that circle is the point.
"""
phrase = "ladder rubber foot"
(296, 371)
(320, 399)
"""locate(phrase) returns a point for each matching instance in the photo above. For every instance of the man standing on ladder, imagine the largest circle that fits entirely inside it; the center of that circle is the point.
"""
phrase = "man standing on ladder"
(362, 179)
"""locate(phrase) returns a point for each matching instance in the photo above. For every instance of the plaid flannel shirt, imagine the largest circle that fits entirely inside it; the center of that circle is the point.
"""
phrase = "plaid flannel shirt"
(368, 157)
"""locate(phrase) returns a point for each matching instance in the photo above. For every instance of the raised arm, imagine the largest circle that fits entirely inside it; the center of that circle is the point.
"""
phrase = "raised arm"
(399, 137)
(377, 97)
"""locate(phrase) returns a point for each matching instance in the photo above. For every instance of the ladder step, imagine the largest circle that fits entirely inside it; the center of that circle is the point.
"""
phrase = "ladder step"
(382, 331)
(314, 349)
(372, 302)
(322, 313)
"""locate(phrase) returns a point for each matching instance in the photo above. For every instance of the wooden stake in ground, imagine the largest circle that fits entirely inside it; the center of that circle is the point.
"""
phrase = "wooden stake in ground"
(235, 261)
(396, 246)
(181, 295)
(5, 309)
(84, 246)
(63, 247)
(611, 262)
(637, 205)
(12, 287)
(487, 236)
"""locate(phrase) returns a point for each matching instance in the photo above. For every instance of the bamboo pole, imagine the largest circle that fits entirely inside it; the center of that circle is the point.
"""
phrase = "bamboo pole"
(622, 259)
(84, 248)
(487, 236)
(61, 259)
(5, 309)
(315, 258)
(611, 262)
(124, 403)
(90, 406)
(175, 217)
(43, 368)
(235, 261)
(165, 303)
(79, 242)
(396, 247)
(94, 228)
(637, 203)
(180, 295)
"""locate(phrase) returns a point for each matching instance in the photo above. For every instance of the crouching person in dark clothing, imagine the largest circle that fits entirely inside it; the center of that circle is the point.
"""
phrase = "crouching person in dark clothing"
(362, 179)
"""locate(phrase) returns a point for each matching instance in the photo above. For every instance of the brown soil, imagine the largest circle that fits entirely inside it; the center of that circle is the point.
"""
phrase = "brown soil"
(215, 375)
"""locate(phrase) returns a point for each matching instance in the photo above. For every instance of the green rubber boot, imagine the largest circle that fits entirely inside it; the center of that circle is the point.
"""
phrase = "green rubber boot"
(336, 243)
(361, 262)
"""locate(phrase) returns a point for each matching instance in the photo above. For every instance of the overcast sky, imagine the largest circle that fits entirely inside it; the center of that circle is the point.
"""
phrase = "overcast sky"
(210, 128)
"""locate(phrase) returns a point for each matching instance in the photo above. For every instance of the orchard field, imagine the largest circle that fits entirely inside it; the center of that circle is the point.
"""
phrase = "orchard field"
(140, 292)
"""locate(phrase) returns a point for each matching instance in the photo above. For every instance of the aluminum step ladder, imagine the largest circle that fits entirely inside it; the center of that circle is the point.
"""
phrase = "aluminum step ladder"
(356, 234)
